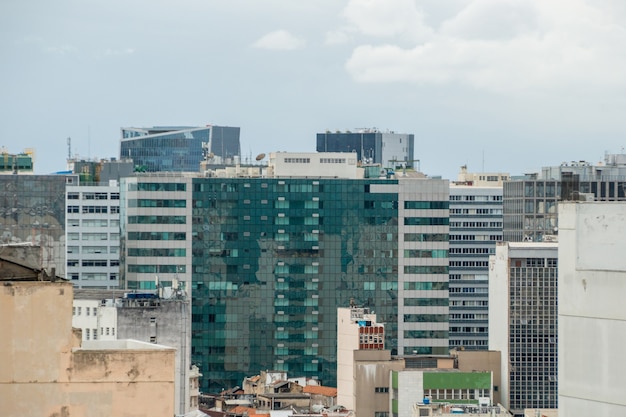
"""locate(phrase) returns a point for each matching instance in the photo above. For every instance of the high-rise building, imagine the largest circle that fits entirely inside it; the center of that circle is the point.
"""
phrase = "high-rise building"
(269, 261)
(530, 203)
(592, 319)
(178, 148)
(156, 231)
(475, 227)
(92, 235)
(523, 323)
(388, 149)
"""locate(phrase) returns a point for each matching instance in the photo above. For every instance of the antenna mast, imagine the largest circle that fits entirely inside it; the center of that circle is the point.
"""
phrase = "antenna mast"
(69, 148)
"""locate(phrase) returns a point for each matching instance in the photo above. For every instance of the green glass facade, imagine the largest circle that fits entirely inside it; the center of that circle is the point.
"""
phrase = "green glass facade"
(272, 261)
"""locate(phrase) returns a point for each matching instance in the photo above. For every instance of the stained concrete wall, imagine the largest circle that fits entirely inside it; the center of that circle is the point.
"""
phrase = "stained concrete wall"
(592, 318)
(44, 371)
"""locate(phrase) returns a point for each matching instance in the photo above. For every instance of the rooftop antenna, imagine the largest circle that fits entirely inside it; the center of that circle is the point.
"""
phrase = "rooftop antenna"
(88, 142)
(483, 160)
(69, 148)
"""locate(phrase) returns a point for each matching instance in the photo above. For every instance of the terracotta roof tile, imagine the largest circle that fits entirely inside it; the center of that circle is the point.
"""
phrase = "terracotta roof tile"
(319, 390)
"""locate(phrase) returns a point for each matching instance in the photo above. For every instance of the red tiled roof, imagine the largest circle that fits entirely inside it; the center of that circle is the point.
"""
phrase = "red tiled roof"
(240, 409)
(319, 390)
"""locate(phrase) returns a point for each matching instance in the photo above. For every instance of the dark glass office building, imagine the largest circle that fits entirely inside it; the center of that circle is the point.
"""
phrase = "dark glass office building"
(272, 261)
(389, 149)
(179, 149)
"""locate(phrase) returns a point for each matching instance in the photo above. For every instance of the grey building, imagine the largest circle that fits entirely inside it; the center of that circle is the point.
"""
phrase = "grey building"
(32, 211)
(530, 203)
(475, 227)
(389, 149)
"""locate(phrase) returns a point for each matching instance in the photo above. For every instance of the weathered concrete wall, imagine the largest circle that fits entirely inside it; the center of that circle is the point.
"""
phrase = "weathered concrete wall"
(592, 317)
(43, 373)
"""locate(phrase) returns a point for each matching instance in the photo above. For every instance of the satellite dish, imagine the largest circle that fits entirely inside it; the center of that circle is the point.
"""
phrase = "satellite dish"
(260, 156)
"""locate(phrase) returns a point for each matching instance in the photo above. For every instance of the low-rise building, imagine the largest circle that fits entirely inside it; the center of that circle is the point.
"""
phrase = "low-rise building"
(48, 370)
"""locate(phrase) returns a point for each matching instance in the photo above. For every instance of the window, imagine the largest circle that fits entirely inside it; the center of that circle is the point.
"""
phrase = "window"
(381, 389)
(86, 334)
(86, 311)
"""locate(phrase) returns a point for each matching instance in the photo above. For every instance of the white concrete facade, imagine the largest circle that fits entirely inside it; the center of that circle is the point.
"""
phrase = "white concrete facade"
(92, 235)
(475, 227)
(592, 318)
(423, 266)
(156, 223)
(313, 164)
(96, 320)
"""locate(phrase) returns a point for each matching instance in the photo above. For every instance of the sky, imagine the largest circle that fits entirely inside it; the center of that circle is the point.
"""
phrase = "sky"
(497, 85)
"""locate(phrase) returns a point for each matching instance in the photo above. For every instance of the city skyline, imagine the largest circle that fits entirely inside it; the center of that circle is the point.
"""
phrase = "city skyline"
(499, 86)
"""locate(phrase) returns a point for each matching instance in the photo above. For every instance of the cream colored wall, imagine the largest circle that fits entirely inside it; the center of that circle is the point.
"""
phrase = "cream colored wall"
(369, 376)
(44, 374)
(483, 360)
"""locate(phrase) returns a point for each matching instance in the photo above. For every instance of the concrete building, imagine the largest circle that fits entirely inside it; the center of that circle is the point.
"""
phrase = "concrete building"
(32, 212)
(481, 179)
(410, 387)
(356, 327)
(165, 320)
(592, 320)
(309, 164)
(373, 383)
(92, 235)
(48, 371)
(475, 227)
(156, 220)
(269, 261)
(178, 148)
(523, 323)
(530, 203)
(389, 149)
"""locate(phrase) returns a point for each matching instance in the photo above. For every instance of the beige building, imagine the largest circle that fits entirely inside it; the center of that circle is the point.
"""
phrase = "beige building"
(48, 371)
(481, 179)
(365, 369)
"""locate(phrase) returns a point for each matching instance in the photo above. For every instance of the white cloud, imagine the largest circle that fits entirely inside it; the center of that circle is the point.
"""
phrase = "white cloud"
(497, 45)
(387, 18)
(279, 40)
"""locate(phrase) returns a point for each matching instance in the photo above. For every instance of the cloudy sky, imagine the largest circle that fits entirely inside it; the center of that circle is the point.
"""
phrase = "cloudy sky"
(504, 85)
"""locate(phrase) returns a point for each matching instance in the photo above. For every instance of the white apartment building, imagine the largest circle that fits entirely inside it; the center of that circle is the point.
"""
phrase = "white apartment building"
(92, 234)
(475, 227)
